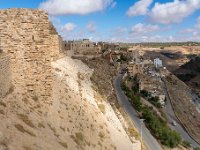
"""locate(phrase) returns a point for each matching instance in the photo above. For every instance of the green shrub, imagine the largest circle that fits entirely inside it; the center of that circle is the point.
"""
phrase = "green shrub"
(145, 93)
(157, 125)
(155, 101)
(160, 129)
(186, 144)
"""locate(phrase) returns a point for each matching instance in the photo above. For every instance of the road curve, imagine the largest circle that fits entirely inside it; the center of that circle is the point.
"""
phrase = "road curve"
(148, 139)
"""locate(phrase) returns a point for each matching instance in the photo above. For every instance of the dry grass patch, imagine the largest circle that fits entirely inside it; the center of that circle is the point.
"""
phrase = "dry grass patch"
(26, 120)
(79, 139)
(21, 129)
(102, 108)
(79, 136)
(57, 70)
(2, 112)
(62, 128)
(54, 130)
(63, 144)
(25, 100)
(27, 148)
(102, 135)
(2, 104)
(80, 76)
(40, 125)
(4, 144)
(133, 133)
(35, 98)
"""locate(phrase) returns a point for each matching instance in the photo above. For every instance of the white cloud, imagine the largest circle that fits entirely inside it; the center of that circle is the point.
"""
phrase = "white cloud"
(91, 27)
(65, 7)
(68, 27)
(139, 8)
(142, 29)
(173, 12)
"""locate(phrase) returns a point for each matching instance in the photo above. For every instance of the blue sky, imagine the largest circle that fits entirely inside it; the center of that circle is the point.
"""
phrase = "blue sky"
(120, 20)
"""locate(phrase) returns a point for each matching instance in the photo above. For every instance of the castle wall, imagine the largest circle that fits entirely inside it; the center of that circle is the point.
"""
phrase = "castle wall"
(82, 47)
(5, 75)
(32, 42)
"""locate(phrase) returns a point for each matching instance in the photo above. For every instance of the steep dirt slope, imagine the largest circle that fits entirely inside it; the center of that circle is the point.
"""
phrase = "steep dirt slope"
(72, 121)
(190, 73)
(185, 109)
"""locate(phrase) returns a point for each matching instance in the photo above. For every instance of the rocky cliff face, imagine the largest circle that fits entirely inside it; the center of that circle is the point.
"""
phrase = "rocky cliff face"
(190, 73)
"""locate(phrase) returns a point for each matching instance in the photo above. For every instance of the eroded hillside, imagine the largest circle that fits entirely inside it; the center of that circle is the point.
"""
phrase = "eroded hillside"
(52, 103)
(190, 73)
(73, 120)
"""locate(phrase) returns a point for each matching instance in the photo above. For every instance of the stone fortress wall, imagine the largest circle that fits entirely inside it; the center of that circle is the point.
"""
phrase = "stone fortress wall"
(5, 75)
(33, 43)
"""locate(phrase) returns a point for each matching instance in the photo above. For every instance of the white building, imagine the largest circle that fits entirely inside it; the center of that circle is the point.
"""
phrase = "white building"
(158, 62)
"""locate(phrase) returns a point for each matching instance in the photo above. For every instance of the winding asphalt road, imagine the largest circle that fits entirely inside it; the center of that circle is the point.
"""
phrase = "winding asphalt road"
(148, 139)
(172, 117)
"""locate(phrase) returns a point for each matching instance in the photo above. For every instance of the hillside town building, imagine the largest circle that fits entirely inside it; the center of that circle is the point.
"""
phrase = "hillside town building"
(84, 46)
(158, 62)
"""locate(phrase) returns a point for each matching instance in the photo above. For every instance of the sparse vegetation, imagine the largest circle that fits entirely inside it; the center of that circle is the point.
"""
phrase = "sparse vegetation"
(62, 128)
(2, 104)
(123, 58)
(21, 129)
(145, 93)
(133, 133)
(155, 101)
(80, 76)
(40, 125)
(63, 144)
(134, 99)
(54, 130)
(4, 144)
(101, 135)
(35, 97)
(159, 128)
(79, 136)
(186, 144)
(26, 120)
(2, 112)
(102, 107)
(157, 125)
(27, 148)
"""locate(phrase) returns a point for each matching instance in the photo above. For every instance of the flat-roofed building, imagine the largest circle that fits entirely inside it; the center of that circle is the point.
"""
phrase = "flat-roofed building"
(84, 46)
(158, 62)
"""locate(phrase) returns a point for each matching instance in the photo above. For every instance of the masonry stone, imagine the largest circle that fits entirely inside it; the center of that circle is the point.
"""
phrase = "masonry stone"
(32, 43)
(5, 75)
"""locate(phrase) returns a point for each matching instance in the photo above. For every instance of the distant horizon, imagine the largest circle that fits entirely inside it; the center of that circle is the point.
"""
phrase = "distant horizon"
(132, 21)
(198, 42)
